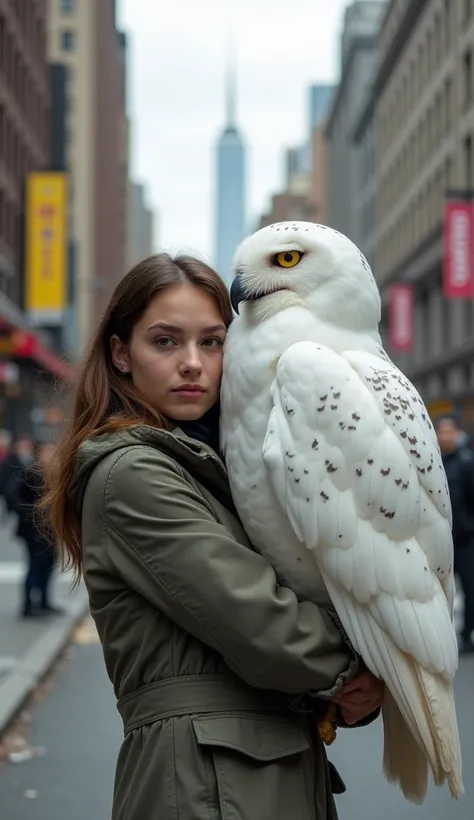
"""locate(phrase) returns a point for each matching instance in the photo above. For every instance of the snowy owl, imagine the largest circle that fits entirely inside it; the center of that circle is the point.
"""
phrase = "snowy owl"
(336, 473)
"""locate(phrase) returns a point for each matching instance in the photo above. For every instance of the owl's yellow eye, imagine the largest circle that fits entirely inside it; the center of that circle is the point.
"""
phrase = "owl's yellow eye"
(287, 259)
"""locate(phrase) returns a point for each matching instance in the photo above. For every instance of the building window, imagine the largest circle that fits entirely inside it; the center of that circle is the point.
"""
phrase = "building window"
(468, 317)
(467, 70)
(445, 334)
(429, 54)
(422, 350)
(448, 166)
(68, 40)
(468, 162)
(68, 6)
(448, 106)
(447, 24)
(437, 40)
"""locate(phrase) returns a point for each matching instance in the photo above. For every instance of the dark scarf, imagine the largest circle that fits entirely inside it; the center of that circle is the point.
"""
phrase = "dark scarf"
(205, 429)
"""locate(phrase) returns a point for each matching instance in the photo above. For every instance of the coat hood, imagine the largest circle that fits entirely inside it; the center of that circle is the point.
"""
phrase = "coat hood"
(194, 456)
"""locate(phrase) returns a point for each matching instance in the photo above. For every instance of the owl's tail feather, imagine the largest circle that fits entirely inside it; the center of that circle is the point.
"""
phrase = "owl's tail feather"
(404, 762)
(439, 695)
(419, 712)
(420, 727)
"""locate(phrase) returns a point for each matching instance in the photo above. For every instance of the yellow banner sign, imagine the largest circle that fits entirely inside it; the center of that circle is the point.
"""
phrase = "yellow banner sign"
(46, 247)
(437, 408)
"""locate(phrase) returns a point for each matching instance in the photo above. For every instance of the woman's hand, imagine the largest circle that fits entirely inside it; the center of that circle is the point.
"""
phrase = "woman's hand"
(360, 697)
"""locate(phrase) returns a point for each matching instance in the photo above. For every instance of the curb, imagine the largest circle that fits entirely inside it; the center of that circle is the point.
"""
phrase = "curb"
(38, 659)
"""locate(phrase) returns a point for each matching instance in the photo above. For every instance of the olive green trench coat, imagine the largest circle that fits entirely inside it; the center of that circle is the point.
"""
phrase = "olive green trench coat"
(207, 653)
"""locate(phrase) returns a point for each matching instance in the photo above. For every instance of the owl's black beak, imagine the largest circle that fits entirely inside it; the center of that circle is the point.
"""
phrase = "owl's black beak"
(237, 292)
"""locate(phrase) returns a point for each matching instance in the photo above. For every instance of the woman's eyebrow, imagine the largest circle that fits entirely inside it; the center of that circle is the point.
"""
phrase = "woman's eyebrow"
(165, 326)
(175, 329)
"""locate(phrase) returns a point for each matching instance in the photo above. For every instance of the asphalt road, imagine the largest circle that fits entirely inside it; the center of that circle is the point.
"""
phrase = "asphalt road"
(78, 727)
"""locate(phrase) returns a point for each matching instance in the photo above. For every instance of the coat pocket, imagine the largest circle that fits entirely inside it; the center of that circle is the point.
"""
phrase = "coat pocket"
(262, 767)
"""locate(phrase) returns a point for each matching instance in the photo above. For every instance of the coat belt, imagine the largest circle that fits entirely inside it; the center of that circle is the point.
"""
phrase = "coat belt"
(194, 695)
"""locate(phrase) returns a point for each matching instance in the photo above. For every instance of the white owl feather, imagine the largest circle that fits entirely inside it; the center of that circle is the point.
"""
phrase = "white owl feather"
(336, 473)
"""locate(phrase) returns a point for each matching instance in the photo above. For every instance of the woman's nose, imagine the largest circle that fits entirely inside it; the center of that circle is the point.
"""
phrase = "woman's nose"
(191, 362)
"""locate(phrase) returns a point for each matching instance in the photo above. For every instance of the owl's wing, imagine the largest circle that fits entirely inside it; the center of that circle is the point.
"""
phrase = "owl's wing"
(355, 466)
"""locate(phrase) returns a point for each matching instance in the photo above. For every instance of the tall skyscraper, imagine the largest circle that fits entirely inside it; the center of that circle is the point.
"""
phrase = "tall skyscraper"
(230, 199)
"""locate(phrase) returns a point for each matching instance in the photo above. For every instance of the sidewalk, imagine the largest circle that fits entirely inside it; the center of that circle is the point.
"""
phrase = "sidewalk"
(29, 648)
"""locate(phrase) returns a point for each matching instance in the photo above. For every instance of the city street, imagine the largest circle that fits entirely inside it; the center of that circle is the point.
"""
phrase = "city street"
(77, 728)
(28, 647)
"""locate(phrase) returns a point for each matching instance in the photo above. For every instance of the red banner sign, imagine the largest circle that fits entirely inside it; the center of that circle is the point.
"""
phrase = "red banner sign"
(458, 280)
(400, 315)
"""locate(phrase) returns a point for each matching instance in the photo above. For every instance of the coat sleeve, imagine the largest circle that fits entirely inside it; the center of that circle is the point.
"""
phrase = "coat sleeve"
(163, 539)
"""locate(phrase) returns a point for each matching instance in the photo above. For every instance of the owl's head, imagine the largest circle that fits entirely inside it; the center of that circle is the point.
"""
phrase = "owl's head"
(301, 263)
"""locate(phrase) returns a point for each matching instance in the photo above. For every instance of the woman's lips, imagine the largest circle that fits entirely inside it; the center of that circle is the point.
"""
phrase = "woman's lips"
(187, 392)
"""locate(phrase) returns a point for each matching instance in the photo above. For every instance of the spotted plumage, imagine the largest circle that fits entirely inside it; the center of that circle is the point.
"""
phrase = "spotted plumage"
(363, 522)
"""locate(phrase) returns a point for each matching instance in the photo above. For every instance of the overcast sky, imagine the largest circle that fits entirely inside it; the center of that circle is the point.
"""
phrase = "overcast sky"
(177, 60)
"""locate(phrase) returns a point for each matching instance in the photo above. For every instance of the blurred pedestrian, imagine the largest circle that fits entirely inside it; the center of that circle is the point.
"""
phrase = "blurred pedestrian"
(20, 455)
(458, 459)
(5, 441)
(39, 545)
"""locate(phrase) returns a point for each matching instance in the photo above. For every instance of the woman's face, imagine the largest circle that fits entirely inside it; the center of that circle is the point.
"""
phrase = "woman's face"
(175, 353)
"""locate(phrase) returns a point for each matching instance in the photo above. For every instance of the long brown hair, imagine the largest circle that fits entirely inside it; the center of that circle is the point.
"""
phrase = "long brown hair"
(101, 387)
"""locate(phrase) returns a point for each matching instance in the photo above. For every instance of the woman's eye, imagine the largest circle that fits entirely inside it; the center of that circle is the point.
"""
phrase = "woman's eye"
(213, 343)
(164, 341)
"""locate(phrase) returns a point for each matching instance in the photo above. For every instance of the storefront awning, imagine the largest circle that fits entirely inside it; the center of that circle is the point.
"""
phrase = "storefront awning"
(20, 341)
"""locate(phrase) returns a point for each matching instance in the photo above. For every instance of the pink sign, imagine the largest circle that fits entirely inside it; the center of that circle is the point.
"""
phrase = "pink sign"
(458, 250)
(400, 308)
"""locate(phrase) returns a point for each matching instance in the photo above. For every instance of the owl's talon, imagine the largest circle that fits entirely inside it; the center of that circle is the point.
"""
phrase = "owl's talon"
(327, 726)
(327, 732)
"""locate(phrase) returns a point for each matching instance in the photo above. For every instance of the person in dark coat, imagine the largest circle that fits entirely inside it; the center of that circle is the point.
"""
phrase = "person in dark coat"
(40, 550)
(458, 460)
(19, 456)
(5, 440)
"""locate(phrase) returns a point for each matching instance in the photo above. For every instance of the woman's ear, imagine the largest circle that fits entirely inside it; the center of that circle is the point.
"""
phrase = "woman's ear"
(119, 353)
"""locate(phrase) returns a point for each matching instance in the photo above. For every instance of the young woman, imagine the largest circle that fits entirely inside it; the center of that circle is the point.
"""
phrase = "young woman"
(219, 672)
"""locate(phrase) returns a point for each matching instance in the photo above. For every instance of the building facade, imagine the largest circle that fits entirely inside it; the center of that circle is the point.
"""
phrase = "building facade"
(320, 101)
(358, 54)
(364, 149)
(230, 216)
(289, 206)
(111, 158)
(28, 361)
(320, 98)
(318, 180)
(305, 194)
(25, 108)
(82, 35)
(141, 226)
(422, 110)
(294, 202)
